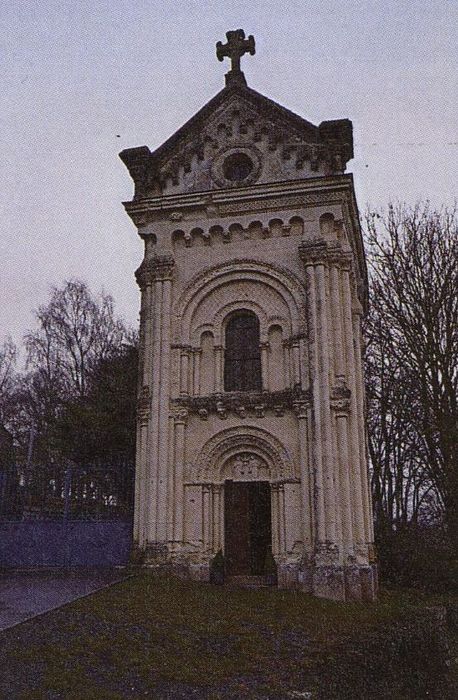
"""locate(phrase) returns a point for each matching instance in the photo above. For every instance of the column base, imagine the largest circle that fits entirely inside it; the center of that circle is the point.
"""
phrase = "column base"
(340, 583)
(331, 581)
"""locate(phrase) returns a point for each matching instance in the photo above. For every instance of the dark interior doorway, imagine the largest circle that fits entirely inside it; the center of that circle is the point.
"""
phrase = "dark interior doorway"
(247, 527)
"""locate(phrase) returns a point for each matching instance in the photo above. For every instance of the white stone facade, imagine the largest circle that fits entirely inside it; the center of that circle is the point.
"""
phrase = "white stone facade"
(286, 246)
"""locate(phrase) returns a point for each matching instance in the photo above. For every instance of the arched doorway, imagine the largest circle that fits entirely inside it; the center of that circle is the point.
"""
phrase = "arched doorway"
(247, 515)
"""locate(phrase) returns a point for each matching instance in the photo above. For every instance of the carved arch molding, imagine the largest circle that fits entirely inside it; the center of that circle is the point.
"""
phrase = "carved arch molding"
(244, 453)
(287, 285)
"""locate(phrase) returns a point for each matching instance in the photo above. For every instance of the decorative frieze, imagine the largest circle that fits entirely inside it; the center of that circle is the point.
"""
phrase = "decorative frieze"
(243, 404)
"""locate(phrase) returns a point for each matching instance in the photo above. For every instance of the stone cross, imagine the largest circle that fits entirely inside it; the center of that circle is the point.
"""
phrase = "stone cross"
(235, 48)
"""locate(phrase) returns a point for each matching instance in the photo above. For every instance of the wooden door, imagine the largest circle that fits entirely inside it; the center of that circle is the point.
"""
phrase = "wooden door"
(247, 527)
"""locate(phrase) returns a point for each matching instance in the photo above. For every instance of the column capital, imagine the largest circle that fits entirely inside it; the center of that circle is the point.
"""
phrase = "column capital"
(317, 251)
(340, 398)
(144, 404)
(300, 408)
(339, 257)
(180, 416)
(157, 268)
(313, 252)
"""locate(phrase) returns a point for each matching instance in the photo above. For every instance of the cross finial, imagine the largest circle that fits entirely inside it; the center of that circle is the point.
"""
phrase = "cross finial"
(235, 48)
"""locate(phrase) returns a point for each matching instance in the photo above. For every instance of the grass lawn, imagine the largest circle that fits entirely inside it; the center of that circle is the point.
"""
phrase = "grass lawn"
(164, 638)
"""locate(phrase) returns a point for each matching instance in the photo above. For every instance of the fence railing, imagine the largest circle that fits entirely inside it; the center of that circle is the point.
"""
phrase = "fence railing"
(68, 491)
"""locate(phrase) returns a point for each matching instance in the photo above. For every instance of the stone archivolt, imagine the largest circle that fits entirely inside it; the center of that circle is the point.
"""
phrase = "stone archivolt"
(285, 284)
(211, 463)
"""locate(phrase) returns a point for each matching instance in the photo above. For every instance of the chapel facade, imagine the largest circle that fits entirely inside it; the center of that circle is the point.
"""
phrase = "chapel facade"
(251, 431)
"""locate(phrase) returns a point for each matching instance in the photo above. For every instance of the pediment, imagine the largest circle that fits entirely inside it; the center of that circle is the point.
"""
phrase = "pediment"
(240, 138)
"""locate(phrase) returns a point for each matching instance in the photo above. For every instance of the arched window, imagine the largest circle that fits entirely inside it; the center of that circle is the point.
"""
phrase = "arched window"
(242, 359)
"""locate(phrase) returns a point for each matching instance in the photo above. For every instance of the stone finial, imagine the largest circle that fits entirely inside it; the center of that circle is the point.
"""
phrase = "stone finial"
(234, 49)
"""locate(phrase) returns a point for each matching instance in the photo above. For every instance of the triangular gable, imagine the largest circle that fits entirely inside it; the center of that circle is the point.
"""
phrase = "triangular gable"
(283, 146)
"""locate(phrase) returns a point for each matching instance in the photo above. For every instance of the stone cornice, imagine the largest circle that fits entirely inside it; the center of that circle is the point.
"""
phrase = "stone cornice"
(159, 267)
(326, 189)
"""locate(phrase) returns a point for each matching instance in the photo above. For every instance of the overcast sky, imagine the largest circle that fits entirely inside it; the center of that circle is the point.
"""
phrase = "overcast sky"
(82, 80)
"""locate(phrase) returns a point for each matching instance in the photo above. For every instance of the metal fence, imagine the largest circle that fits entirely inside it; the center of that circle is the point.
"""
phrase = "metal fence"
(66, 515)
(67, 491)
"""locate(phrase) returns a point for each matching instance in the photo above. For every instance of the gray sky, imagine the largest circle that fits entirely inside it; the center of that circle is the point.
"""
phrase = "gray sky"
(77, 74)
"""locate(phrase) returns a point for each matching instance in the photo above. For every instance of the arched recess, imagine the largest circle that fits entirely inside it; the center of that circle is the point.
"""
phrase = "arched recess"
(207, 372)
(211, 463)
(278, 280)
(327, 222)
(277, 374)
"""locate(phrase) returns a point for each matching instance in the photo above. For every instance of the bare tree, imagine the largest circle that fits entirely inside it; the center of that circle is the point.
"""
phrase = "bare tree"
(8, 379)
(413, 360)
(76, 331)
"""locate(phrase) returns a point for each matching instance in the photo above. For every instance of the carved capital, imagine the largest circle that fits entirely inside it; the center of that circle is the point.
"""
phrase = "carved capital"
(341, 406)
(300, 408)
(338, 257)
(159, 267)
(144, 404)
(180, 416)
(340, 397)
(313, 252)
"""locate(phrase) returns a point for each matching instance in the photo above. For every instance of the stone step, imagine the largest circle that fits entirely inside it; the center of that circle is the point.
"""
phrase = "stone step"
(246, 581)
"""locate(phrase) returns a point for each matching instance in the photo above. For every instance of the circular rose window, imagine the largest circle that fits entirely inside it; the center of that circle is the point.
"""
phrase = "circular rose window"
(237, 167)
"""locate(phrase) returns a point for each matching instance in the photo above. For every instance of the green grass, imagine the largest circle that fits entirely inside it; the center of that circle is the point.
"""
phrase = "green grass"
(127, 640)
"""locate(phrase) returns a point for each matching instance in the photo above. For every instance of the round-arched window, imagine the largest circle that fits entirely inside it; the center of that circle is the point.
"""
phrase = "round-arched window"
(242, 358)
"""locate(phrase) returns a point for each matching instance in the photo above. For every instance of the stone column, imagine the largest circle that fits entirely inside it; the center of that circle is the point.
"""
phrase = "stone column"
(317, 468)
(143, 405)
(156, 272)
(354, 446)
(307, 482)
(265, 365)
(184, 371)
(197, 352)
(164, 394)
(206, 517)
(289, 378)
(359, 376)
(180, 429)
(216, 517)
(341, 408)
(296, 362)
(219, 372)
(314, 256)
(275, 523)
